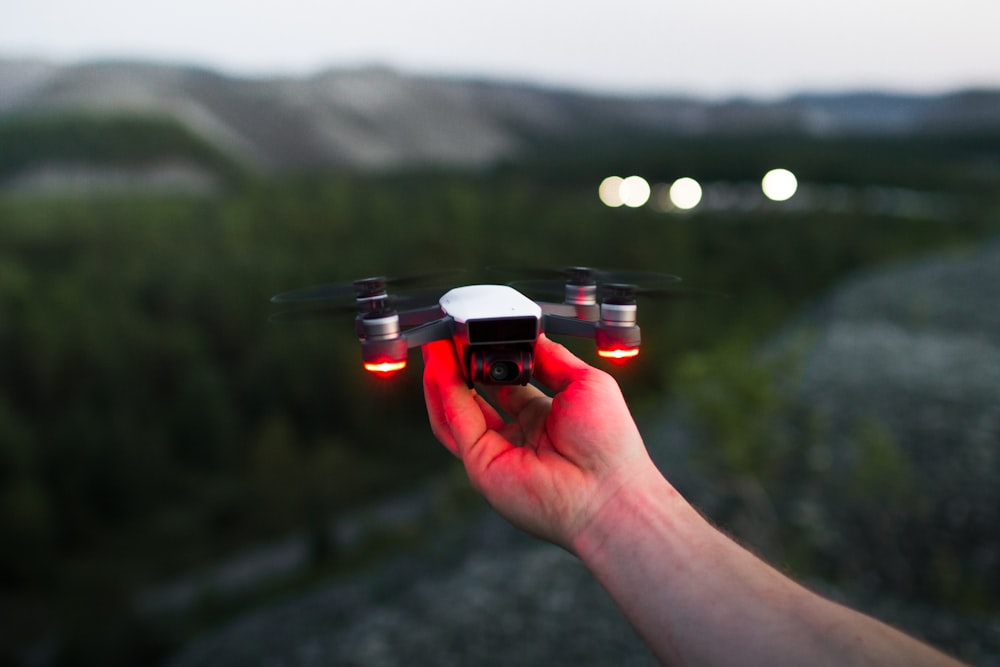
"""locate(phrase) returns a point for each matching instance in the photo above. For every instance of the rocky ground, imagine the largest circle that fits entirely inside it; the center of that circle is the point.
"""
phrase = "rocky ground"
(897, 499)
(486, 596)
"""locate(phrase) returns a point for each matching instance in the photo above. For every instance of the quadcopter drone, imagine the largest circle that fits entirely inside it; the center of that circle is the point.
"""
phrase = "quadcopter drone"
(494, 327)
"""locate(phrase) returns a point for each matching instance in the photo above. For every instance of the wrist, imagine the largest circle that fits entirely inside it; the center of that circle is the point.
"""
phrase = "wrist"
(644, 509)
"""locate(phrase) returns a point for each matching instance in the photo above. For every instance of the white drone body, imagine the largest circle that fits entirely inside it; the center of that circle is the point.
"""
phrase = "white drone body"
(495, 329)
(487, 302)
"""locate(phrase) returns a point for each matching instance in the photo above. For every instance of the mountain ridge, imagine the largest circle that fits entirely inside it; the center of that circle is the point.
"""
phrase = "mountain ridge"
(376, 118)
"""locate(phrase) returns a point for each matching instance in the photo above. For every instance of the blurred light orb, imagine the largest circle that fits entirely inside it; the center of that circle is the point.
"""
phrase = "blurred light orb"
(779, 184)
(685, 193)
(634, 191)
(610, 191)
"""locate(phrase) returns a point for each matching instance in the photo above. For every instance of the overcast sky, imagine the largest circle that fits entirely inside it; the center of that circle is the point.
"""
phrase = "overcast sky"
(709, 47)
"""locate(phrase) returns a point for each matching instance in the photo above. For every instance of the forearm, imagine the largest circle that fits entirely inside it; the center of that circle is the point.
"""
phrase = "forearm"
(698, 598)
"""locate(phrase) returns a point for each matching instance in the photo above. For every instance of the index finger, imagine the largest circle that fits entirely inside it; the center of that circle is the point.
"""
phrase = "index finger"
(556, 367)
(456, 419)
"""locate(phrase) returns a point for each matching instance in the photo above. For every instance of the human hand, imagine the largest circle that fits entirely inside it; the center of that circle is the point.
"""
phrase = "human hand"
(572, 469)
(548, 465)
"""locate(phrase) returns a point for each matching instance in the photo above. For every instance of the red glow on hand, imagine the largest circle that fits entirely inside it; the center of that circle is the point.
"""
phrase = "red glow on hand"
(385, 367)
(619, 354)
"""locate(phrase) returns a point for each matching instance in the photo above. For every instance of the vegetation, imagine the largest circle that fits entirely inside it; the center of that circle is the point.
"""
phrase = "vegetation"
(122, 140)
(152, 418)
(849, 505)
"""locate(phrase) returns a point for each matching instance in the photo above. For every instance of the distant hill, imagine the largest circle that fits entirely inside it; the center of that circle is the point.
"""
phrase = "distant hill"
(373, 118)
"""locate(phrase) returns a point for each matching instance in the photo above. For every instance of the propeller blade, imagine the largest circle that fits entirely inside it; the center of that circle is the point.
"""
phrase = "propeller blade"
(550, 290)
(329, 292)
(348, 290)
(640, 279)
(333, 311)
(623, 276)
(312, 314)
(544, 289)
(676, 293)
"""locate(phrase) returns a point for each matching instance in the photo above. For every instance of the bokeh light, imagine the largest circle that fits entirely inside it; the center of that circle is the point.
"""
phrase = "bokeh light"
(634, 191)
(779, 184)
(685, 193)
(610, 191)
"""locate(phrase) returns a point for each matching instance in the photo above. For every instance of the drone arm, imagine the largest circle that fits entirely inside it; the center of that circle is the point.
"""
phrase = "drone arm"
(589, 312)
(569, 326)
(439, 329)
(387, 353)
(419, 316)
(559, 309)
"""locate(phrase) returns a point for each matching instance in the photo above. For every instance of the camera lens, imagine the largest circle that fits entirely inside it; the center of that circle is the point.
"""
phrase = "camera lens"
(504, 371)
(509, 364)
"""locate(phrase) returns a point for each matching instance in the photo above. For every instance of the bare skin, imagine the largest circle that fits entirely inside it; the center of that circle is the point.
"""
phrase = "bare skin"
(572, 469)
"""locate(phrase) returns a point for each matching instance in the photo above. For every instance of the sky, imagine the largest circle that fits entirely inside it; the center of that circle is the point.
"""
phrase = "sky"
(707, 48)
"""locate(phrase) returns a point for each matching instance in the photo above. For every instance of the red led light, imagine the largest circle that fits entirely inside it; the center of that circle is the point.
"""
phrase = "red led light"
(385, 367)
(619, 353)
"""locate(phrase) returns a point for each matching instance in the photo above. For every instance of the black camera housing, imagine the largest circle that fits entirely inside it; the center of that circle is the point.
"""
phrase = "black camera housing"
(499, 364)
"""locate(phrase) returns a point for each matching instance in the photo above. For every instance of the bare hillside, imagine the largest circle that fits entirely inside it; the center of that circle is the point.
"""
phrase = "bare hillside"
(376, 118)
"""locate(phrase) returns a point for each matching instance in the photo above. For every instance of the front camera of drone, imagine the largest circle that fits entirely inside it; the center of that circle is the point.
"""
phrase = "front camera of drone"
(500, 365)
(504, 370)
(499, 350)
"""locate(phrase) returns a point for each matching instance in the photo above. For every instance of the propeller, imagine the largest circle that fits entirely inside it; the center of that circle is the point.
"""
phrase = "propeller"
(659, 293)
(365, 287)
(338, 300)
(312, 314)
(550, 290)
(611, 285)
(333, 311)
(584, 275)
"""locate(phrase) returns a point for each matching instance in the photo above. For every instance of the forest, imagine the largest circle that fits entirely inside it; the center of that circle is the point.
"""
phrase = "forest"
(153, 419)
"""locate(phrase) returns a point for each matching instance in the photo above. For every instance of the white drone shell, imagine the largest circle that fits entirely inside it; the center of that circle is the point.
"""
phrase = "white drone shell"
(477, 302)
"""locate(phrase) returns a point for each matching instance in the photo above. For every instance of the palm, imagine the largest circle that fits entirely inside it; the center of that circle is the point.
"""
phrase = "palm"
(545, 463)
(554, 455)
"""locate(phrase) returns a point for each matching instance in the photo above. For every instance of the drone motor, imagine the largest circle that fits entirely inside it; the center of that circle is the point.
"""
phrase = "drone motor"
(383, 349)
(618, 334)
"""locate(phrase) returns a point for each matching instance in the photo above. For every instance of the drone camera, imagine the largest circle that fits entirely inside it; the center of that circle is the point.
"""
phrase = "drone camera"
(500, 365)
(499, 350)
